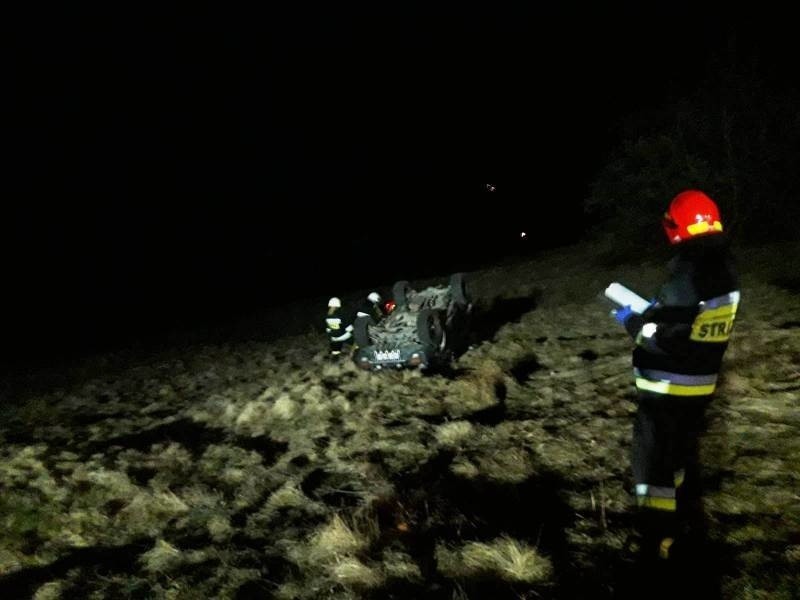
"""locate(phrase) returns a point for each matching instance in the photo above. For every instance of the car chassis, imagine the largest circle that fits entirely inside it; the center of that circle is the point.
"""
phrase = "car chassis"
(427, 329)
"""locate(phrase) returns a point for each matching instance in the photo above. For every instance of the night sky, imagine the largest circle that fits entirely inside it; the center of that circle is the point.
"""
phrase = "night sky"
(173, 164)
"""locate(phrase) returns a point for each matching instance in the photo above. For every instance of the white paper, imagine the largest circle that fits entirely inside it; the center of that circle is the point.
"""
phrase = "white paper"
(621, 295)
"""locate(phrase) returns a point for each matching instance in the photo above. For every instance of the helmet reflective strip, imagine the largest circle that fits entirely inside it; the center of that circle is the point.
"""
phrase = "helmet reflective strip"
(703, 227)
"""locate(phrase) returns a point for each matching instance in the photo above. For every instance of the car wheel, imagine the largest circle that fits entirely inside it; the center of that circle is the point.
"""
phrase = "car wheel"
(458, 289)
(429, 328)
(401, 290)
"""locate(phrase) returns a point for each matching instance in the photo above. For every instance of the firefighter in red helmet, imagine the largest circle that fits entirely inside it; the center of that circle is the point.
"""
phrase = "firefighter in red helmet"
(680, 340)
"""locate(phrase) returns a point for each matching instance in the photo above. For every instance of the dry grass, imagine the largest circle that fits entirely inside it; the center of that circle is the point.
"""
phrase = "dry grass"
(148, 512)
(476, 391)
(454, 434)
(161, 558)
(260, 468)
(334, 541)
(52, 590)
(506, 558)
(351, 572)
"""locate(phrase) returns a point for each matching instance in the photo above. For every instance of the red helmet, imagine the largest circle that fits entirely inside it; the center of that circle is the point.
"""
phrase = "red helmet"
(691, 214)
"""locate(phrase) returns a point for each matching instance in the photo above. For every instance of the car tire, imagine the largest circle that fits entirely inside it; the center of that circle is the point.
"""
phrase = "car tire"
(401, 290)
(430, 330)
(361, 331)
(458, 289)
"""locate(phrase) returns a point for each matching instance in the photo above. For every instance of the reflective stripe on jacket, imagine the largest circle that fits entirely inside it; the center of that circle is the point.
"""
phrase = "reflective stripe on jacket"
(682, 337)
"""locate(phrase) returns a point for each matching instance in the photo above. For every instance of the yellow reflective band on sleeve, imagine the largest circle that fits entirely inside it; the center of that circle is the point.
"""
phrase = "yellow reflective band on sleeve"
(714, 325)
(674, 389)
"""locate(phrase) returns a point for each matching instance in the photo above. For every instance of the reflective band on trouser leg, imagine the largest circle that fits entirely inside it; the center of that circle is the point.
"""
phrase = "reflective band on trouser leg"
(675, 384)
(652, 496)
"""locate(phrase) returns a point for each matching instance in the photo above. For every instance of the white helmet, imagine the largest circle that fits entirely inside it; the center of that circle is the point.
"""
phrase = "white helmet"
(334, 303)
(374, 297)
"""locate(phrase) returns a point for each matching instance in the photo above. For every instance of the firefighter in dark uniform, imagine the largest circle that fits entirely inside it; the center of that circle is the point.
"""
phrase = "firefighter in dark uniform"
(371, 307)
(338, 327)
(680, 342)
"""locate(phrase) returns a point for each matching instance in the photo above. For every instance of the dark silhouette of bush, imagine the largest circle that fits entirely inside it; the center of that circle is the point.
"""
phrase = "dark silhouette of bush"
(736, 136)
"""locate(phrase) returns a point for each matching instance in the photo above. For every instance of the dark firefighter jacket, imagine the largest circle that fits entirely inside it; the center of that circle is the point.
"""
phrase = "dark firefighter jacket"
(368, 308)
(338, 326)
(681, 338)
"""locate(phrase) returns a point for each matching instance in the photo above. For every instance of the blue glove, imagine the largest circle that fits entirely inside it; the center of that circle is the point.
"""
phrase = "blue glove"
(623, 314)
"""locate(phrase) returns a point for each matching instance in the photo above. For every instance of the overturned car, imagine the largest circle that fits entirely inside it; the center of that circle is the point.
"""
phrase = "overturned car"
(426, 330)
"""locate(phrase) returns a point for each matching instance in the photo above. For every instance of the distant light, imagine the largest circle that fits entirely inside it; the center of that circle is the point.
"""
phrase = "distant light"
(490, 188)
(522, 235)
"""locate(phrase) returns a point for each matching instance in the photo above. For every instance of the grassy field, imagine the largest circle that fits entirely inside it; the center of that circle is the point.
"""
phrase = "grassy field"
(260, 469)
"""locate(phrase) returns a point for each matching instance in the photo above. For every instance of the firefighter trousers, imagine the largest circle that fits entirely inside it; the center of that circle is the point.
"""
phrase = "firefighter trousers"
(666, 468)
